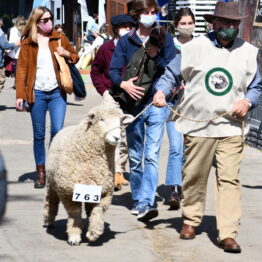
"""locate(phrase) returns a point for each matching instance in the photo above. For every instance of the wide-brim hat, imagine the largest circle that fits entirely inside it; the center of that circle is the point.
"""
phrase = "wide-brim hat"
(227, 10)
(118, 20)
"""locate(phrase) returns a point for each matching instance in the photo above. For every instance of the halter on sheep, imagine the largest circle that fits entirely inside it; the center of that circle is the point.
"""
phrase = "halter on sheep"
(83, 154)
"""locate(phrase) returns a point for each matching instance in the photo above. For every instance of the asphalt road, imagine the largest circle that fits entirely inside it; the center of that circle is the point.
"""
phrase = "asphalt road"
(24, 239)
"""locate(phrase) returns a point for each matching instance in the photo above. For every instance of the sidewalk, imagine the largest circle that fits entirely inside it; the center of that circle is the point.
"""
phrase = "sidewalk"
(23, 238)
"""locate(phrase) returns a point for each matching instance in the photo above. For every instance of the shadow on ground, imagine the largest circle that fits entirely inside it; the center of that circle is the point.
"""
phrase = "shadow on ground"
(3, 108)
(252, 187)
(59, 232)
(207, 226)
(25, 198)
(124, 200)
(27, 176)
(73, 104)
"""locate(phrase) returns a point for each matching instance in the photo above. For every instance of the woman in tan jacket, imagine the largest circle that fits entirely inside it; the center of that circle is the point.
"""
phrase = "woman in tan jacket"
(38, 85)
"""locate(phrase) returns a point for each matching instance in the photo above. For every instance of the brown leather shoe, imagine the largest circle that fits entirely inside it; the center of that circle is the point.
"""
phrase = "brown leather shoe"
(40, 176)
(230, 245)
(187, 232)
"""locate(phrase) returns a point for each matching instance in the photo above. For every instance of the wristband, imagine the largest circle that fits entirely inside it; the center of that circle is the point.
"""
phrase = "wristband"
(249, 103)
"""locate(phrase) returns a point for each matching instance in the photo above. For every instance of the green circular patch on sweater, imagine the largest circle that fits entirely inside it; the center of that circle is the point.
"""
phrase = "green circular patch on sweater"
(218, 81)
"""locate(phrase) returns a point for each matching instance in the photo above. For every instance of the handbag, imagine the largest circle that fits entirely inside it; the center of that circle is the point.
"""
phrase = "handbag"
(65, 75)
(78, 83)
(142, 66)
(9, 66)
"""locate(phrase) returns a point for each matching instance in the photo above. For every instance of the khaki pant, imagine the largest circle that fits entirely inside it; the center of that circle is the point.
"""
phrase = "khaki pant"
(2, 79)
(199, 155)
(121, 153)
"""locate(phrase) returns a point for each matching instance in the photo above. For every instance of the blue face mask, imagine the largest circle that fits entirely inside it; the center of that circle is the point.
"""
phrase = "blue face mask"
(227, 34)
(147, 20)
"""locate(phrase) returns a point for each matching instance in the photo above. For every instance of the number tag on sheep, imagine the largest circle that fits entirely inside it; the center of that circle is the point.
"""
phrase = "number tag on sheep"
(87, 193)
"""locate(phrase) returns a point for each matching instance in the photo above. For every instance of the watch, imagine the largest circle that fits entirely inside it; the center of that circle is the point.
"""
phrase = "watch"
(249, 103)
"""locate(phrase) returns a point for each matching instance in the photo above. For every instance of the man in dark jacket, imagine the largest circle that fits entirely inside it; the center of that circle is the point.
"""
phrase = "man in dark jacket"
(121, 24)
(144, 135)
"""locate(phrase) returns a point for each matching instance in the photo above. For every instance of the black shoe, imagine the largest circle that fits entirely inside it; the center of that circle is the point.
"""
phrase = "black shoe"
(147, 213)
(174, 200)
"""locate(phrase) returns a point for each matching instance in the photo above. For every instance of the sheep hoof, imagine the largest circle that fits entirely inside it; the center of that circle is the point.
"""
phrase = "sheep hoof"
(74, 240)
(92, 236)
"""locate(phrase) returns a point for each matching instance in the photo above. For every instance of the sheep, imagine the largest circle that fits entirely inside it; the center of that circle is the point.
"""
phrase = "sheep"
(83, 154)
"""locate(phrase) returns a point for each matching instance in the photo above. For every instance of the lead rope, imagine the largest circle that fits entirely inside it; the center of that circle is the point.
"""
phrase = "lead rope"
(214, 118)
(140, 113)
(194, 120)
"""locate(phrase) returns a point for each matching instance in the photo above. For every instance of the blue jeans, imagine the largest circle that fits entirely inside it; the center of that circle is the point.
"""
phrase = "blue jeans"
(53, 102)
(144, 137)
(175, 157)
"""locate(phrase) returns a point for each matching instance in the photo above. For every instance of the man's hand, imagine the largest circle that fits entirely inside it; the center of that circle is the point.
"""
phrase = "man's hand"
(131, 89)
(241, 107)
(159, 99)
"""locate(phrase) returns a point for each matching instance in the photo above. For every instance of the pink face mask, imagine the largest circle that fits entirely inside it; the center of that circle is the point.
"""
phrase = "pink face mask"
(46, 27)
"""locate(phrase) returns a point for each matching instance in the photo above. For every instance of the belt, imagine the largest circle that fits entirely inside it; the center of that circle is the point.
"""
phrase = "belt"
(1, 67)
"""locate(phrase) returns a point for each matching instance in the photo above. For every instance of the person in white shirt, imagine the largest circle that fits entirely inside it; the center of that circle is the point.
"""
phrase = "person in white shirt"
(15, 35)
(92, 28)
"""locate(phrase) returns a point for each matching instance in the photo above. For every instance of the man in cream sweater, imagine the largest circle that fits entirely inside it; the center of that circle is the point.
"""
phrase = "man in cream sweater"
(221, 75)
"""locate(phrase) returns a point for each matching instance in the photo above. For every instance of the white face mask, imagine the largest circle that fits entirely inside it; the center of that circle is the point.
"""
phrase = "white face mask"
(186, 31)
(123, 32)
(147, 20)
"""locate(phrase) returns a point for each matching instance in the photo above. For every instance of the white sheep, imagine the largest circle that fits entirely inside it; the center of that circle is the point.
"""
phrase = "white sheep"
(83, 154)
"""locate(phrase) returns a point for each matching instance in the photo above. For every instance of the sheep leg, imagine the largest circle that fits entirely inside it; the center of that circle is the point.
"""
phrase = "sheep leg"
(74, 222)
(50, 206)
(96, 219)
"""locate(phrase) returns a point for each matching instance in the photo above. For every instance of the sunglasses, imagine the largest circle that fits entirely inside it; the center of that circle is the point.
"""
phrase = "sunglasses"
(45, 20)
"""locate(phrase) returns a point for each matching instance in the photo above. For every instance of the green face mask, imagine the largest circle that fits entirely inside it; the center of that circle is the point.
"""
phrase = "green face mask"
(227, 34)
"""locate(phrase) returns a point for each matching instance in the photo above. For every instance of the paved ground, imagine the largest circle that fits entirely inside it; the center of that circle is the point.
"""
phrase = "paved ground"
(23, 238)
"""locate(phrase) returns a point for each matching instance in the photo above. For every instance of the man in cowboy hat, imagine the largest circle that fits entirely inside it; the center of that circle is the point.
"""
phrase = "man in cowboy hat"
(222, 83)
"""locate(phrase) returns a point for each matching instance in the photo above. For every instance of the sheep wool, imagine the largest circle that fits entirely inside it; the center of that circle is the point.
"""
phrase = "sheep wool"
(83, 154)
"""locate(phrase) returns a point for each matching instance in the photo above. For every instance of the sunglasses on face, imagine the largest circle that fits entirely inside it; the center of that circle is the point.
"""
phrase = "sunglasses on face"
(45, 20)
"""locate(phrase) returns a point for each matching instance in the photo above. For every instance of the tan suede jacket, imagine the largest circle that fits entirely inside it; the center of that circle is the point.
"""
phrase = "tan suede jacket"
(27, 62)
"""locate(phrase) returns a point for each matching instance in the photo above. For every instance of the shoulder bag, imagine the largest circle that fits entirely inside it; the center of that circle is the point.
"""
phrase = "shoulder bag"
(78, 83)
(65, 75)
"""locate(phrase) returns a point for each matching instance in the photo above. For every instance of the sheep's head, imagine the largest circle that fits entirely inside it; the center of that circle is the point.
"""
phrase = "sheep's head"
(106, 122)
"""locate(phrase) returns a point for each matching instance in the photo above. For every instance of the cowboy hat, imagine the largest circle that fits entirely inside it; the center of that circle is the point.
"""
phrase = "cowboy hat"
(226, 10)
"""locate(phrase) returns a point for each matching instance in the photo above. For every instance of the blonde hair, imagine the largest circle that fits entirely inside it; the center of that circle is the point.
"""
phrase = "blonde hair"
(30, 29)
(20, 24)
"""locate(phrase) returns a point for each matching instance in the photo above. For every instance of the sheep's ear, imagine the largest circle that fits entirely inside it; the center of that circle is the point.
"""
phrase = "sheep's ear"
(89, 118)
(126, 119)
